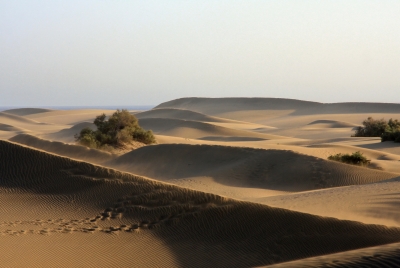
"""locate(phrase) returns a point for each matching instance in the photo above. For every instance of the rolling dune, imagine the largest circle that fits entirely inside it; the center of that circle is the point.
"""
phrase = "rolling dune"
(180, 114)
(5, 117)
(5, 127)
(62, 149)
(331, 124)
(78, 213)
(198, 130)
(381, 256)
(68, 117)
(68, 134)
(26, 111)
(245, 167)
(214, 106)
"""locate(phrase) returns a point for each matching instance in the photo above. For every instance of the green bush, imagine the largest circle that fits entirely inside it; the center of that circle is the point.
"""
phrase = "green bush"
(120, 129)
(372, 128)
(356, 158)
(388, 131)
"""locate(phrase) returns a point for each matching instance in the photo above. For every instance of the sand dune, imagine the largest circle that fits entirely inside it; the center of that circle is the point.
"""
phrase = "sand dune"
(180, 114)
(5, 127)
(68, 134)
(370, 203)
(222, 105)
(69, 150)
(380, 256)
(26, 111)
(245, 167)
(74, 209)
(5, 117)
(197, 130)
(69, 117)
(331, 124)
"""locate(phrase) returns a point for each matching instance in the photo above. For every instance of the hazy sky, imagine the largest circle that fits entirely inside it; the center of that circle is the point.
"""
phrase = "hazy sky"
(105, 52)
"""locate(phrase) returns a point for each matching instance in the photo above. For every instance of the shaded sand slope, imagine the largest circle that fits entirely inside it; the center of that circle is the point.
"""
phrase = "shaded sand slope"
(180, 114)
(69, 150)
(16, 119)
(26, 111)
(235, 166)
(331, 124)
(5, 127)
(69, 117)
(198, 130)
(371, 203)
(380, 256)
(68, 134)
(72, 208)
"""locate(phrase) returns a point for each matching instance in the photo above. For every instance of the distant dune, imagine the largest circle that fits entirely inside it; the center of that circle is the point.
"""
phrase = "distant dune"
(68, 134)
(26, 111)
(197, 130)
(180, 114)
(167, 225)
(331, 124)
(6, 117)
(222, 105)
(5, 127)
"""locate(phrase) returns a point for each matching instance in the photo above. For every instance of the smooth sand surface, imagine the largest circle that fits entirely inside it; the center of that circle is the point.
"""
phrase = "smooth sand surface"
(231, 182)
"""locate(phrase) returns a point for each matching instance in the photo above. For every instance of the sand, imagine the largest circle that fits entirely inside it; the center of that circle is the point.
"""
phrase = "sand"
(231, 182)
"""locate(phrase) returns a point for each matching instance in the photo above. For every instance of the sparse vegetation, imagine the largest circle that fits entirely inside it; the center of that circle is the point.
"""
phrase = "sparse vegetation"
(119, 130)
(387, 130)
(356, 158)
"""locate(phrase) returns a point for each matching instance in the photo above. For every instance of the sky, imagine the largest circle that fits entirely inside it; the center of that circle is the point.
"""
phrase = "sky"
(103, 52)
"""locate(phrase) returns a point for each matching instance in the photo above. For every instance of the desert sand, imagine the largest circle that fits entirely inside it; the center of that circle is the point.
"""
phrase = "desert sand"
(231, 182)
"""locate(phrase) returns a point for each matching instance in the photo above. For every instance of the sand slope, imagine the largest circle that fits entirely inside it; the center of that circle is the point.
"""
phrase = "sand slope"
(68, 117)
(168, 225)
(381, 256)
(68, 134)
(26, 111)
(199, 130)
(62, 149)
(245, 167)
(223, 105)
(180, 114)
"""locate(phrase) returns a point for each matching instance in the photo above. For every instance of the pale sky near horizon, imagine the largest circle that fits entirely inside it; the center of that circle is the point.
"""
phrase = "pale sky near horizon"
(145, 52)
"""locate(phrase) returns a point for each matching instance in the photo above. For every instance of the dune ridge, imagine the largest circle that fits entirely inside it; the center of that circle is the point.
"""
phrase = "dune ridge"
(270, 169)
(196, 130)
(222, 105)
(186, 224)
(183, 114)
(381, 256)
(62, 149)
(26, 111)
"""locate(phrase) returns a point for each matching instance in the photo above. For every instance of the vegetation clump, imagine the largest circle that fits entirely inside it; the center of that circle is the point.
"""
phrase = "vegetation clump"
(387, 130)
(121, 129)
(356, 158)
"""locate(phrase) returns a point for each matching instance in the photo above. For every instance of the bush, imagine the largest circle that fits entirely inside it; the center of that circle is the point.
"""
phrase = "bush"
(388, 131)
(372, 128)
(120, 129)
(356, 158)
